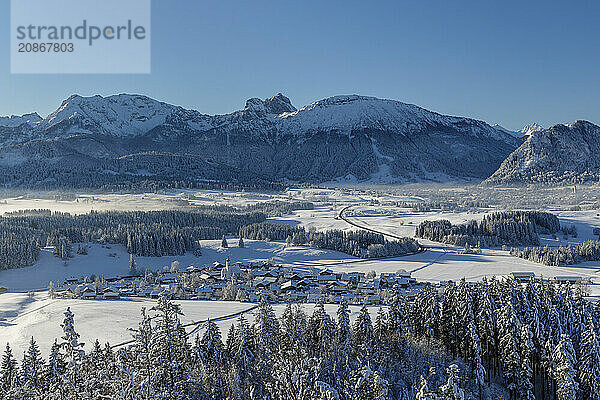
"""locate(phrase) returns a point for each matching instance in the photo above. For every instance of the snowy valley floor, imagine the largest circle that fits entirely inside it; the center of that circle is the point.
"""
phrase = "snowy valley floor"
(22, 317)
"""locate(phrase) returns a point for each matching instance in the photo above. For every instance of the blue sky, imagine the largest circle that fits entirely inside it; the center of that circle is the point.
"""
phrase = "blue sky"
(504, 62)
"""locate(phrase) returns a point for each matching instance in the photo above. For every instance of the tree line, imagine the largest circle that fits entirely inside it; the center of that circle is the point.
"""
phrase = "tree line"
(358, 243)
(496, 229)
(562, 255)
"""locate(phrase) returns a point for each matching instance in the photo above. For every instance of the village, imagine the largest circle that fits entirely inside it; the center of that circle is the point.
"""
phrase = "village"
(252, 283)
(244, 282)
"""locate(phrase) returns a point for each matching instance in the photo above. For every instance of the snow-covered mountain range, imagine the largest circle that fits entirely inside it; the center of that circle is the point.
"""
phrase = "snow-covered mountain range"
(350, 137)
(560, 154)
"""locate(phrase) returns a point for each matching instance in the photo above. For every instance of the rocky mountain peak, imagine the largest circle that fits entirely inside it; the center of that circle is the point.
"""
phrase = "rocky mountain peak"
(277, 105)
(531, 128)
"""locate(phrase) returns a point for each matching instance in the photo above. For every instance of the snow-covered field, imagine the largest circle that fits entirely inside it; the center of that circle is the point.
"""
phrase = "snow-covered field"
(78, 203)
(22, 317)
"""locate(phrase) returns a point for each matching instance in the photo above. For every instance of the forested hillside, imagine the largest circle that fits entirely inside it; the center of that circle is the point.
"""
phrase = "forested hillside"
(561, 154)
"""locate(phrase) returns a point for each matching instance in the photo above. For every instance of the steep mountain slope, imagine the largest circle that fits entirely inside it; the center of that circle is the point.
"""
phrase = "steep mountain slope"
(342, 137)
(560, 154)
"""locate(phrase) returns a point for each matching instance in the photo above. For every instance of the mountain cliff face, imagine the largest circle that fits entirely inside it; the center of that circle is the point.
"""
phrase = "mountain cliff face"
(560, 154)
(351, 137)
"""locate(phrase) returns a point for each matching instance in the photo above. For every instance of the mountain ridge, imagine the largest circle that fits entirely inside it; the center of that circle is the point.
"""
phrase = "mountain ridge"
(346, 136)
(277, 107)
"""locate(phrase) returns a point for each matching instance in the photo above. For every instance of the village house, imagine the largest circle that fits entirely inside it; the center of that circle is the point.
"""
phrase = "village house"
(522, 277)
(111, 294)
(88, 293)
(570, 279)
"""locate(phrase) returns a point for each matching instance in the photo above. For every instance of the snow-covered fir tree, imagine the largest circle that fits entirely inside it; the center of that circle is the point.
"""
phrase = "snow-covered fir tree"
(51, 290)
(32, 370)
(589, 362)
(525, 385)
(564, 369)
(509, 329)
(364, 336)
(476, 362)
(55, 369)
(213, 359)
(8, 370)
(73, 352)
(132, 266)
(169, 351)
